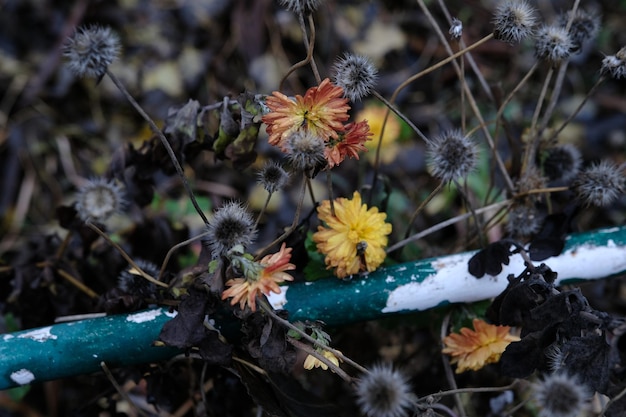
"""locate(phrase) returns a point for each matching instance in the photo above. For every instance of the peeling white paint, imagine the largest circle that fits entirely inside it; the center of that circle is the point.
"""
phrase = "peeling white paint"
(38, 335)
(22, 377)
(143, 316)
(390, 279)
(278, 301)
(7, 337)
(453, 283)
(171, 314)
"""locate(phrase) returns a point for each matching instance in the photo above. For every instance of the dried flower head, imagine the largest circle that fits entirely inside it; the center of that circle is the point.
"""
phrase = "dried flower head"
(585, 26)
(356, 74)
(553, 44)
(304, 7)
(91, 50)
(305, 151)
(561, 163)
(353, 226)
(321, 111)
(473, 349)
(231, 225)
(350, 143)
(560, 395)
(131, 282)
(523, 220)
(456, 28)
(615, 65)
(259, 278)
(599, 185)
(452, 156)
(99, 199)
(514, 20)
(384, 392)
(272, 177)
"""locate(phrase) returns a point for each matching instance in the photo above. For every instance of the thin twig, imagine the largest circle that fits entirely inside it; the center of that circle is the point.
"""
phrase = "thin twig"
(164, 141)
(125, 256)
(174, 248)
(313, 352)
(120, 391)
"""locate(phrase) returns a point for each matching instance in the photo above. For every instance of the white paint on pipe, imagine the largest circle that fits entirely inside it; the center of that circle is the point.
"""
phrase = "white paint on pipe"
(22, 377)
(39, 335)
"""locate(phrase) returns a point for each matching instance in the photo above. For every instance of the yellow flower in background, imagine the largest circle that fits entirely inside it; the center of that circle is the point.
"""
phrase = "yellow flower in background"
(312, 362)
(264, 277)
(375, 116)
(322, 111)
(353, 240)
(473, 349)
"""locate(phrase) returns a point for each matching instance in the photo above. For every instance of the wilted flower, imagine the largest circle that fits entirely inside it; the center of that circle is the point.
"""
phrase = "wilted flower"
(349, 143)
(131, 282)
(599, 185)
(305, 151)
(230, 226)
(259, 278)
(452, 156)
(553, 44)
(321, 111)
(615, 65)
(561, 162)
(312, 362)
(91, 50)
(560, 395)
(473, 349)
(354, 239)
(384, 392)
(356, 74)
(272, 177)
(513, 21)
(99, 199)
(585, 26)
(456, 28)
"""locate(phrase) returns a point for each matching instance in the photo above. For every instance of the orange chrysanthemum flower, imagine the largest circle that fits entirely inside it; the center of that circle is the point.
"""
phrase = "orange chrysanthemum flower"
(355, 237)
(272, 272)
(322, 110)
(349, 143)
(473, 349)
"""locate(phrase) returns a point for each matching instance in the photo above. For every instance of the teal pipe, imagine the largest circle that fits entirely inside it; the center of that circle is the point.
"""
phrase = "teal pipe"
(75, 348)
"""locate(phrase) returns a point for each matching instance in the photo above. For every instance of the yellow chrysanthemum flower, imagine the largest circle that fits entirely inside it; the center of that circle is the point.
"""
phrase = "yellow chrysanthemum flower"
(375, 116)
(312, 362)
(354, 238)
(473, 349)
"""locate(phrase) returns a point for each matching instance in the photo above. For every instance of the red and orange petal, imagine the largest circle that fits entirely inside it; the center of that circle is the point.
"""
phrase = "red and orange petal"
(323, 109)
(473, 349)
(244, 291)
(349, 144)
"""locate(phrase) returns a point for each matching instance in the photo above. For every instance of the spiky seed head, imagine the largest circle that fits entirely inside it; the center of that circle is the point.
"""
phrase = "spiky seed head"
(615, 65)
(452, 155)
(230, 226)
(356, 74)
(91, 50)
(99, 199)
(599, 185)
(303, 7)
(523, 221)
(305, 151)
(514, 20)
(553, 44)
(132, 283)
(384, 392)
(456, 28)
(560, 395)
(272, 177)
(585, 26)
(561, 163)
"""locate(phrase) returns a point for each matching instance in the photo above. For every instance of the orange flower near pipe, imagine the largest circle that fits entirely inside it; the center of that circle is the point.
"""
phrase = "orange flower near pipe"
(473, 349)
